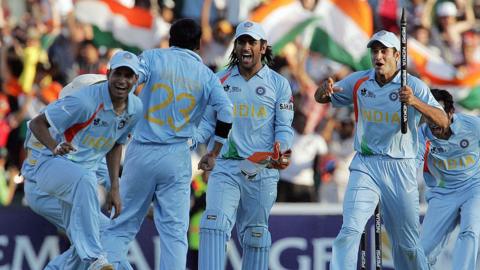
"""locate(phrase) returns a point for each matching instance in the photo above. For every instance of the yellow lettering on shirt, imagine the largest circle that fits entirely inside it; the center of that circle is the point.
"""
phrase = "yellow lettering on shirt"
(249, 111)
(380, 116)
(454, 163)
(97, 143)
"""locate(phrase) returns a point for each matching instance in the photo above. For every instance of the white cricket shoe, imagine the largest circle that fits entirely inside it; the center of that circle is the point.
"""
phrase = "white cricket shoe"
(101, 263)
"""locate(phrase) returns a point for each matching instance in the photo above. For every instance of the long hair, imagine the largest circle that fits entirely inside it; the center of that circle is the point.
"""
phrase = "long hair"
(267, 58)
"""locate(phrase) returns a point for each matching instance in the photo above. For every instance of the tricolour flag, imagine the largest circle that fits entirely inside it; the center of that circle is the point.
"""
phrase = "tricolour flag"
(119, 26)
(472, 101)
(343, 31)
(282, 20)
(436, 70)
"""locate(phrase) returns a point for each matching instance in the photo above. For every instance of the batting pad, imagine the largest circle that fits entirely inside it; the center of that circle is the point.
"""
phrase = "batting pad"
(212, 251)
(256, 245)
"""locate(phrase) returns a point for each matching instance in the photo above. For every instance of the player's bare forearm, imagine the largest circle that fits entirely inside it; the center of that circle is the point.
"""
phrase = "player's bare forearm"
(436, 115)
(217, 147)
(39, 127)
(113, 158)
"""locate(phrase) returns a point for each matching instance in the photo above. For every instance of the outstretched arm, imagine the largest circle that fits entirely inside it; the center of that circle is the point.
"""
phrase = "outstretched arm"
(326, 89)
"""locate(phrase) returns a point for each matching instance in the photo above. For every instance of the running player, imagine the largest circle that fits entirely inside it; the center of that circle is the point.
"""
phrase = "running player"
(239, 193)
(384, 168)
(452, 172)
(178, 87)
(65, 144)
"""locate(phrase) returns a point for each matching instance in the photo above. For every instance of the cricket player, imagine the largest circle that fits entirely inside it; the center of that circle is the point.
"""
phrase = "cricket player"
(66, 142)
(50, 207)
(384, 168)
(239, 193)
(157, 167)
(452, 173)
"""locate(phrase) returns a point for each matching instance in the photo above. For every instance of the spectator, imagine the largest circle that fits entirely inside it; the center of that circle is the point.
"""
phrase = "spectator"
(297, 183)
(447, 33)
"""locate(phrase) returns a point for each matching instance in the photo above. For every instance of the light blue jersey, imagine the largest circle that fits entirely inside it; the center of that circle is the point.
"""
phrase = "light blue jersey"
(452, 173)
(262, 112)
(92, 127)
(175, 98)
(262, 115)
(377, 113)
(455, 162)
(177, 88)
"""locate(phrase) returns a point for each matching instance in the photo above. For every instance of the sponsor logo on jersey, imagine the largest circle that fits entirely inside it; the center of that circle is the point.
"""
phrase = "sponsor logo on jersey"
(122, 123)
(364, 92)
(438, 150)
(464, 143)
(260, 91)
(286, 106)
(100, 122)
(231, 89)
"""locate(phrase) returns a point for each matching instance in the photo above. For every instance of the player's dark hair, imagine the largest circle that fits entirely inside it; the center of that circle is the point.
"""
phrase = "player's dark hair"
(267, 58)
(186, 34)
(444, 96)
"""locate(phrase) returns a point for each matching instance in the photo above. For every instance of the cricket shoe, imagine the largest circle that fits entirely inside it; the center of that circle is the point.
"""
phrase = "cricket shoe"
(101, 263)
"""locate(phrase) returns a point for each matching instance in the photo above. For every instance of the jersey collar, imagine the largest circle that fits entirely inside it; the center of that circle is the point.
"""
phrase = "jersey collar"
(189, 52)
(261, 73)
(396, 79)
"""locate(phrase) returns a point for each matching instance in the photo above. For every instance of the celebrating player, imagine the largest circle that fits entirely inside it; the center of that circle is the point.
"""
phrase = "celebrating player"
(65, 144)
(384, 168)
(239, 190)
(178, 87)
(451, 171)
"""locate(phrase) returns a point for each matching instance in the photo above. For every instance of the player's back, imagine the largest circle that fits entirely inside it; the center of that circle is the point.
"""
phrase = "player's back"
(176, 91)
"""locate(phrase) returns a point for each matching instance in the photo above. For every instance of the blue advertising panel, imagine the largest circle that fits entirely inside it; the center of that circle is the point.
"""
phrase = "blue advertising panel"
(302, 237)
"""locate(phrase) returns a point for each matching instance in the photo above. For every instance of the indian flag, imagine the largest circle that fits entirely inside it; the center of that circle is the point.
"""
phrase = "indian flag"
(472, 101)
(343, 31)
(436, 70)
(118, 26)
(282, 20)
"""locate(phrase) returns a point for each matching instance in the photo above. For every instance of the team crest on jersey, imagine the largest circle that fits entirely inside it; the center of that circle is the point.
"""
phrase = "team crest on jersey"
(260, 91)
(226, 87)
(464, 143)
(393, 96)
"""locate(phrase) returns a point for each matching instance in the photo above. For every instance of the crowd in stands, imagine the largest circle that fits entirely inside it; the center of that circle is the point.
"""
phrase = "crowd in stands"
(43, 46)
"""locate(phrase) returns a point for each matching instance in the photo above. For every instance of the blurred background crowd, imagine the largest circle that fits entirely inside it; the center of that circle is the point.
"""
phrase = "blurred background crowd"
(46, 43)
